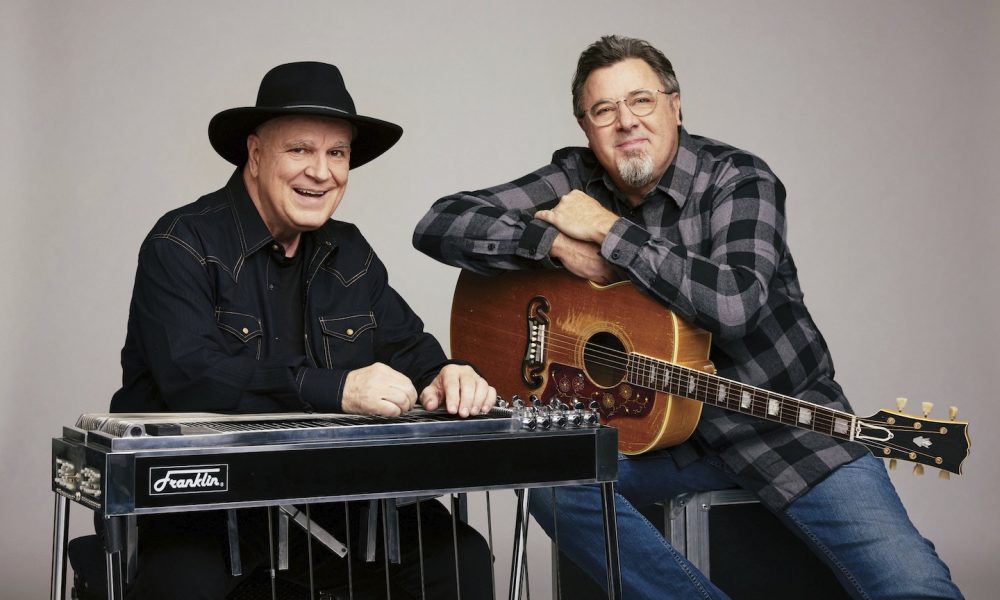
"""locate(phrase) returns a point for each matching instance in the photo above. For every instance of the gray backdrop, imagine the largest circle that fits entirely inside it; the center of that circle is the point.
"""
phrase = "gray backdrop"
(881, 119)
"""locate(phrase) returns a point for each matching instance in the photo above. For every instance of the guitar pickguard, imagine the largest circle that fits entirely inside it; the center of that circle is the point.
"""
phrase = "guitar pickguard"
(570, 385)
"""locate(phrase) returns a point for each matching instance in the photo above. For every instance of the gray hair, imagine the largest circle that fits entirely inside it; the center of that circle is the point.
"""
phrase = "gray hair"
(613, 49)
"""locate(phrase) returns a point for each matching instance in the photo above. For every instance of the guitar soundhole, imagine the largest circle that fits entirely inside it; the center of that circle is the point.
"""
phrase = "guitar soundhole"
(604, 359)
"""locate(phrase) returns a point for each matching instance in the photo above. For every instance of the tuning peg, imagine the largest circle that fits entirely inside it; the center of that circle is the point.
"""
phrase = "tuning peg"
(900, 404)
(952, 412)
(927, 407)
(918, 469)
(942, 474)
(892, 464)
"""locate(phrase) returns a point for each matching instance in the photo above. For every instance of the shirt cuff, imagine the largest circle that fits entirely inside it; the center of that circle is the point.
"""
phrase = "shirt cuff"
(622, 244)
(322, 390)
(536, 242)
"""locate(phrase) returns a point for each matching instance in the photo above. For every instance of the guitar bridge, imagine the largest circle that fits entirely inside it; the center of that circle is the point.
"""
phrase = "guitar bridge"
(537, 322)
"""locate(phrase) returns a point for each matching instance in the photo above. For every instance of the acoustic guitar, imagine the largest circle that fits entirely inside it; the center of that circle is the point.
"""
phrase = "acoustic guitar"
(647, 371)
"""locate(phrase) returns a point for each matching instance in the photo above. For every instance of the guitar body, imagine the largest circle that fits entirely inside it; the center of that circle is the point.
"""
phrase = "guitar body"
(587, 332)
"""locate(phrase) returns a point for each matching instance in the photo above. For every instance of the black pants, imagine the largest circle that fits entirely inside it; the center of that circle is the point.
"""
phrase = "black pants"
(186, 555)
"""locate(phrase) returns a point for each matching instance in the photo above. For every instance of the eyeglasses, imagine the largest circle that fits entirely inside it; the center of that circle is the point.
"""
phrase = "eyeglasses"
(640, 103)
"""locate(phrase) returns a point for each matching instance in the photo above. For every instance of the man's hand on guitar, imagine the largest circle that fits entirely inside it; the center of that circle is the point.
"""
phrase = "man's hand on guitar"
(581, 217)
(378, 389)
(462, 391)
(583, 259)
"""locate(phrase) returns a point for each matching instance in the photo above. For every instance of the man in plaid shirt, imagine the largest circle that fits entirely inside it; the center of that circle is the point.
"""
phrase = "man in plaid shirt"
(700, 225)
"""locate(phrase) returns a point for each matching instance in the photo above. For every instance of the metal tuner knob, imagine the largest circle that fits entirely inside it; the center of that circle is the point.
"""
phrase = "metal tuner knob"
(558, 411)
(544, 418)
(592, 418)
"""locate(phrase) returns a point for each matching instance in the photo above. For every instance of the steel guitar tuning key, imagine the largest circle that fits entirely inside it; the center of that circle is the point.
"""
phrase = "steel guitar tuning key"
(918, 469)
(539, 413)
(927, 407)
(900, 404)
(942, 474)
(892, 464)
(528, 420)
(952, 412)
(544, 420)
(558, 416)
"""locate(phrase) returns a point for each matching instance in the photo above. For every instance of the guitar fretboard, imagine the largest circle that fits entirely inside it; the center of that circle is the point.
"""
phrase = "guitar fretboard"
(732, 395)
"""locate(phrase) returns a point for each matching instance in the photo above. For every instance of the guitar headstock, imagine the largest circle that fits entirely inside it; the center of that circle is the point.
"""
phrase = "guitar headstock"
(900, 436)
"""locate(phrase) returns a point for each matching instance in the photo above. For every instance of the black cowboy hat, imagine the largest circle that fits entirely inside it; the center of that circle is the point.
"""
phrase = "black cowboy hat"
(301, 88)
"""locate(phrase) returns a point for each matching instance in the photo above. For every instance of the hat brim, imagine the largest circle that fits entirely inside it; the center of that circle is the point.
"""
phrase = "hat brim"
(228, 131)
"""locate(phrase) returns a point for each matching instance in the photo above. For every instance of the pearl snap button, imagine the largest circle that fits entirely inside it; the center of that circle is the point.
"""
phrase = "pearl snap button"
(349, 331)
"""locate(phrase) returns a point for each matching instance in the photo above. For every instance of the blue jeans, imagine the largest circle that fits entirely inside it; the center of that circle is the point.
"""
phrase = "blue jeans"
(853, 520)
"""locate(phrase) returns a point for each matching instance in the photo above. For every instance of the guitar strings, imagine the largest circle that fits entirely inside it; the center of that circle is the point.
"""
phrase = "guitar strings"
(617, 359)
(789, 408)
(822, 419)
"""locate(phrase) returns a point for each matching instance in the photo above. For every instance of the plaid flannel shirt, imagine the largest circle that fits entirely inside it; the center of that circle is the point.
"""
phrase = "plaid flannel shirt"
(709, 242)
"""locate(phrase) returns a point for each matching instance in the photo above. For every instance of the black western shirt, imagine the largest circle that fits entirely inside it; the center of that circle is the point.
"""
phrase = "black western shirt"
(208, 314)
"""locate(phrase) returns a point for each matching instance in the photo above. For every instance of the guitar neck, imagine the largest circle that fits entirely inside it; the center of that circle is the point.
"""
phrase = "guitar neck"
(732, 395)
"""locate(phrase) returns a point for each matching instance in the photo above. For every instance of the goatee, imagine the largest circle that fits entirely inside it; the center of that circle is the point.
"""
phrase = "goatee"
(636, 170)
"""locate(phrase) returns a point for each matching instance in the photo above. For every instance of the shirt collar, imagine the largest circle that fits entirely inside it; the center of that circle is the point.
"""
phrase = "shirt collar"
(676, 182)
(253, 231)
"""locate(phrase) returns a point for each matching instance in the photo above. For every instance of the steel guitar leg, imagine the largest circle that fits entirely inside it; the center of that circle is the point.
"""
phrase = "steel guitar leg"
(114, 547)
(233, 531)
(131, 549)
(60, 530)
(520, 544)
(611, 540)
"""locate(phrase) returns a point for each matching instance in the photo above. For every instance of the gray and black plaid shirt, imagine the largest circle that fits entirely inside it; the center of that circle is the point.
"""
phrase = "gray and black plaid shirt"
(709, 242)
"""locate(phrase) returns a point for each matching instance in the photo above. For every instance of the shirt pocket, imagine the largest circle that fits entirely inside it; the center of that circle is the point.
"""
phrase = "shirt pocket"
(244, 334)
(348, 340)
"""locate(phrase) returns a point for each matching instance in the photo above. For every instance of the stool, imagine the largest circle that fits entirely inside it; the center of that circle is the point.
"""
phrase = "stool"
(686, 522)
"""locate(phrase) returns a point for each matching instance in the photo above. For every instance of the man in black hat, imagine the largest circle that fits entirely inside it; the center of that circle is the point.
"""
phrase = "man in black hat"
(252, 299)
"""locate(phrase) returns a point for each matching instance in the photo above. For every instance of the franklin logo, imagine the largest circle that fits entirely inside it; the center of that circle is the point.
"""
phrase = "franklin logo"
(188, 480)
